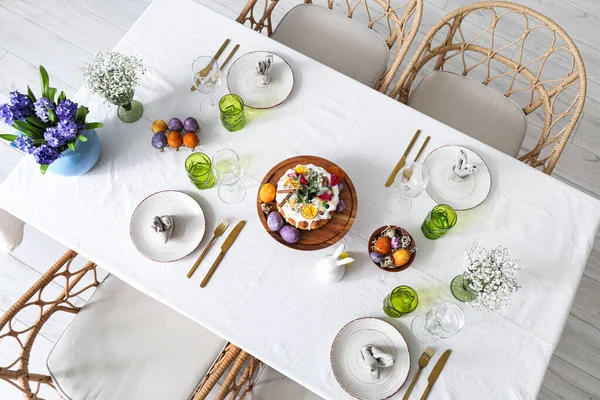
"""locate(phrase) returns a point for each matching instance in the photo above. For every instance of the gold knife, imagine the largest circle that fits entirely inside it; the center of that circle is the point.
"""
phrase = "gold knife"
(402, 161)
(204, 71)
(435, 373)
(226, 245)
(422, 148)
(237, 46)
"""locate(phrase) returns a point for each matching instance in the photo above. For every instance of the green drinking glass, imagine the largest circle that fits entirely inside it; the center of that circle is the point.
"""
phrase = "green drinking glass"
(403, 300)
(232, 112)
(439, 221)
(199, 169)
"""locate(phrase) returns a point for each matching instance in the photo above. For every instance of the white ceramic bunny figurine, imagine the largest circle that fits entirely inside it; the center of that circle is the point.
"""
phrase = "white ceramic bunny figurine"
(330, 268)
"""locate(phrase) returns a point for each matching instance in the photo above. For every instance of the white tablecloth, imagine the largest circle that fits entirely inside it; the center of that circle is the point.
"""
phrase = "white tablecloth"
(266, 297)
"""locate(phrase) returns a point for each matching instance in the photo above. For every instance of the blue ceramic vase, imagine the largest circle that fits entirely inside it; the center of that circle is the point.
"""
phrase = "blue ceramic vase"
(80, 161)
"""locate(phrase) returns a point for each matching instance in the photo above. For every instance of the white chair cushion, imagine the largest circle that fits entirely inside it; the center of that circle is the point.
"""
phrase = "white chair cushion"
(334, 40)
(472, 108)
(272, 385)
(124, 345)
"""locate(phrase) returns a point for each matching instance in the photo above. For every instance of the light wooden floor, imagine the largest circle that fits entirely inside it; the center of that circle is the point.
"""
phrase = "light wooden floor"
(64, 34)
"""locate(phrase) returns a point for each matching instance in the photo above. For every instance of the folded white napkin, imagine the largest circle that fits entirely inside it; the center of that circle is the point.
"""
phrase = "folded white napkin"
(374, 359)
(11, 232)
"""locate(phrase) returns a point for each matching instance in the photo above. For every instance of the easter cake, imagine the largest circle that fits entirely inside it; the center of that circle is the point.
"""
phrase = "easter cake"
(307, 196)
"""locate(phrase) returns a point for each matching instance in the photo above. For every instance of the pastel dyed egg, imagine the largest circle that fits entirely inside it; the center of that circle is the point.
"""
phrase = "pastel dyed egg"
(274, 221)
(382, 245)
(376, 257)
(290, 234)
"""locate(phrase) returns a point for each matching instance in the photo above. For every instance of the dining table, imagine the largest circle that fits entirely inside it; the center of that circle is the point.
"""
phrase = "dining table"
(265, 297)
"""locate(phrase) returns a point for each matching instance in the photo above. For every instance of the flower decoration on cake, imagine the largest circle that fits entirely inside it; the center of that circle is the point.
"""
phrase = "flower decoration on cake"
(307, 196)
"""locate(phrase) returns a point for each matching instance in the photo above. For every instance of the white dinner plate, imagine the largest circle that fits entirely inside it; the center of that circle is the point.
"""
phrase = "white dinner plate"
(188, 227)
(347, 365)
(243, 81)
(445, 187)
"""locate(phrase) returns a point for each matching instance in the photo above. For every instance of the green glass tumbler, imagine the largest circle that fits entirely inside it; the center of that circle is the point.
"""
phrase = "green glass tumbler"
(199, 169)
(232, 112)
(403, 300)
(439, 221)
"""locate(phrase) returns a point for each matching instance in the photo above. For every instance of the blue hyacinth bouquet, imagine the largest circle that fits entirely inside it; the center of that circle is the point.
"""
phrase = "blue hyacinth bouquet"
(47, 127)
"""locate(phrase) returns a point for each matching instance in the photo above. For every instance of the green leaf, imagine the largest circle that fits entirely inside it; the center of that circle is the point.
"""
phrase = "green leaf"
(71, 145)
(10, 138)
(43, 168)
(30, 94)
(51, 93)
(28, 130)
(82, 112)
(51, 116)
(61, 97)
(82, 138)
(94, 125)
(45, 81)
(37, 122)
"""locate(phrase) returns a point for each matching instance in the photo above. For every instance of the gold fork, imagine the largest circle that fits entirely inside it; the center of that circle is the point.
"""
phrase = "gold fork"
(219, 231)
(423, 361)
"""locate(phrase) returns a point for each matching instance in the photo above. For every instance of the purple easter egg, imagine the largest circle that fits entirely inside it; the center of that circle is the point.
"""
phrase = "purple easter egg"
(175, 124)
(190, 124)
(159, 141)
(290, 234)
(341, 206)
(274, 221)
(376, 257)
(396, 242)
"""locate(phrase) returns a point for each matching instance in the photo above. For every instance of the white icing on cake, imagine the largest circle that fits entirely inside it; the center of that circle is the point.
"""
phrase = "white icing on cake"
(292, 208)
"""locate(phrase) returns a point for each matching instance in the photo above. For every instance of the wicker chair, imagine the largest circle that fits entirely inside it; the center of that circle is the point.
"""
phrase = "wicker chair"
(391, 22)
(481, 41)
(239, 381)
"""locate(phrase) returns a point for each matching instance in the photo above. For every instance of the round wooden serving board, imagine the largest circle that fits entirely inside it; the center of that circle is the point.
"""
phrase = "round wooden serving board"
(338, 225)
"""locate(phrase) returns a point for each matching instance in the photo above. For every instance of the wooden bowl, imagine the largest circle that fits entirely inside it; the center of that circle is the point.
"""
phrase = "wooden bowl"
(335, 229)
(412, 247)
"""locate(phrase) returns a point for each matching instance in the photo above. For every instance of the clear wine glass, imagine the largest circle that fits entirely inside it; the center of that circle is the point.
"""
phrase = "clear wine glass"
(409, 183)
(442, 321)
(206, 79)
(227, 169)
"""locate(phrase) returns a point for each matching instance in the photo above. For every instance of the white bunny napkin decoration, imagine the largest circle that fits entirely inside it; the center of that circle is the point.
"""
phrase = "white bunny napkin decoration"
(462, 168)
(164, 226)
(263, 70)
(373, 359)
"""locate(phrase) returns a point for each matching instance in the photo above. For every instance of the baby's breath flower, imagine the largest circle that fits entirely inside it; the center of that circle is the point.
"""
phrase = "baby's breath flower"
(492, 274)
(114, 76)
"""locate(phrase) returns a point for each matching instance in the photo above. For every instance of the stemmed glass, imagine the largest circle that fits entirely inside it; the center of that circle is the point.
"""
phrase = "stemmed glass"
(409, 183)
(442, 321)
(227, 169)
(206, 79)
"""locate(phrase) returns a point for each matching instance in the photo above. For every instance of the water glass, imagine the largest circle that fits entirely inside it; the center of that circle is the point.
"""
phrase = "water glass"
(438, 221)
(442, 321)
(403, 300)
(206, 79)
(409, 183)
(232, 112)
(227, 169)
(199, 169)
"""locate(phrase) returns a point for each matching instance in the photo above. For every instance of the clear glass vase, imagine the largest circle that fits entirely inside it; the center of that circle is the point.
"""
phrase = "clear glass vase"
(461, 290)
(130, 110)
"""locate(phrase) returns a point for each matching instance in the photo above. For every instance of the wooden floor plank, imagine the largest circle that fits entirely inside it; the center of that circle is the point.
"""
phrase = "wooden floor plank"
(587, 302)
(580, 346)
(121, 13)
(563, 381)
(37, 45)
(98, 34)
(587, 135)
(17, 74)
